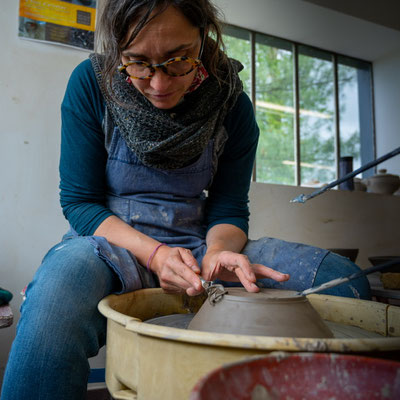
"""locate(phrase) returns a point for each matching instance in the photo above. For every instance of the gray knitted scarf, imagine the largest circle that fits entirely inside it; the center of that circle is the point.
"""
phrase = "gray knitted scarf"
(171, 139)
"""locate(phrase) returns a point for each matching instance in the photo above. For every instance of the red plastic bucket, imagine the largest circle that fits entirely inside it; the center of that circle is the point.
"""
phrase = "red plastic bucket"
(298, 376)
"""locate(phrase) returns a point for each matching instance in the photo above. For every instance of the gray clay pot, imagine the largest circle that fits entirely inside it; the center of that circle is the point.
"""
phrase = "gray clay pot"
(271, 312)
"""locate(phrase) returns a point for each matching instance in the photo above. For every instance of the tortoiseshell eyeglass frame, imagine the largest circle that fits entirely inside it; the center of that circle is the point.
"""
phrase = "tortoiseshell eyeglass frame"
(195, 62)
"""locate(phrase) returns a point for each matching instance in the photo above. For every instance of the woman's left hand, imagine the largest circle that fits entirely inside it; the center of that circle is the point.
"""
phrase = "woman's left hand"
(234, 267)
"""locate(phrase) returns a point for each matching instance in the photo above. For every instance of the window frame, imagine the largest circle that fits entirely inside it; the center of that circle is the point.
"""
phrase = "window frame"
(334, 57)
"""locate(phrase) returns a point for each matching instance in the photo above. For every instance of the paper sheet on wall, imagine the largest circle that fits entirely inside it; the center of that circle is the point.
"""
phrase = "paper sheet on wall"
(65, 22)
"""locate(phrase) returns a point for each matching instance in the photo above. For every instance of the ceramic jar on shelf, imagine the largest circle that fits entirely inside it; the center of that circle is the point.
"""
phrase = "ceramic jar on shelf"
(382, 183)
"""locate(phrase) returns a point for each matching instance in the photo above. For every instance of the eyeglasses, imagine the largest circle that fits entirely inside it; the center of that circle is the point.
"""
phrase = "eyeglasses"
(176, 66)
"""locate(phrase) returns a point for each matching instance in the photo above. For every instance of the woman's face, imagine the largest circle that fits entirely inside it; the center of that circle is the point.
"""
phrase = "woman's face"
(168, 35)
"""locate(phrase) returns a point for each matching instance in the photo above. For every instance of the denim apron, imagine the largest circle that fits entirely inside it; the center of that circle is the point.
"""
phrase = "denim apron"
(169, 205)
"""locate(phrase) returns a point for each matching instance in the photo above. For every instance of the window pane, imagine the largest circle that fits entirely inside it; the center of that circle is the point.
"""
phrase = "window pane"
(317, 117)
(348, 107)
(237, 43)
(355, 111)
(275, 111)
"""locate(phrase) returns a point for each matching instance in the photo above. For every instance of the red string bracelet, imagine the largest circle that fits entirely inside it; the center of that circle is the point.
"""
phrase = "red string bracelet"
(152, 255)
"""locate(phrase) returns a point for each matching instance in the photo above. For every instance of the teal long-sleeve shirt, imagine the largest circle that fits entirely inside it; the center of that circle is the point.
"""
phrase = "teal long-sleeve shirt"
(83, 160)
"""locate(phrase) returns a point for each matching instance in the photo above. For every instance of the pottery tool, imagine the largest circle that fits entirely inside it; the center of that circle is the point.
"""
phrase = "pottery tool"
(215, 292)
(339, 281)
(302, 198)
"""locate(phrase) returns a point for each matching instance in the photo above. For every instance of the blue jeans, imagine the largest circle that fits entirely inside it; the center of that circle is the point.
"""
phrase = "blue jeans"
(60, 326)
(332, 266)
(335, 266)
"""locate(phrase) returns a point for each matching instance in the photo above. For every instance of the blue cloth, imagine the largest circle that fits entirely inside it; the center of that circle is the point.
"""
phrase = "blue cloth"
(331, 266)
(84, 156)
(335, 266)
(166, 205)
(299, 260)
(169, 206)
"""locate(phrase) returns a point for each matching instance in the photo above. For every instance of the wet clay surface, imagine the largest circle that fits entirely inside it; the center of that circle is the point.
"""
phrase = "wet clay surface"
(264, 295)
(270, 312)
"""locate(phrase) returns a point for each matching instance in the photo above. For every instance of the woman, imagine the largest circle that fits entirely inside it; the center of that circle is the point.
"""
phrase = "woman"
(147, 128)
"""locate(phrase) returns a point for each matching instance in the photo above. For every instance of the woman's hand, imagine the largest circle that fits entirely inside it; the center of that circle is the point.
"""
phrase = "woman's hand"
(234, 267)
(177, 270)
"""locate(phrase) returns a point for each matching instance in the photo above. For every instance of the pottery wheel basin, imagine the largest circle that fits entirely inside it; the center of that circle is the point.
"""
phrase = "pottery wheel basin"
(270, 312)
(138, 351)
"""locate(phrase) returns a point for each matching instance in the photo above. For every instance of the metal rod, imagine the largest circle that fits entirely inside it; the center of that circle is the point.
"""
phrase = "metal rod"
(339, 281)
(303, 198)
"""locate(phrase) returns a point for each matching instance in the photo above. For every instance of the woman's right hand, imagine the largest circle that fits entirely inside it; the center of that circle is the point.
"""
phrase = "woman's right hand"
(177, 270)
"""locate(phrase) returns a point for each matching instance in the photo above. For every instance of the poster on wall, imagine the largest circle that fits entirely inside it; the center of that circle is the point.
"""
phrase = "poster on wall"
(65, 22)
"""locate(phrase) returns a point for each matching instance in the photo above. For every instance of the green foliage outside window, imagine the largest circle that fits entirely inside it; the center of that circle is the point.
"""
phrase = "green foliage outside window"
(275, 115)
(275, 110)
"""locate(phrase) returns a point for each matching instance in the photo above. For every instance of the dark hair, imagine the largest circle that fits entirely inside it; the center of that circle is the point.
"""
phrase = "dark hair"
(119, 16)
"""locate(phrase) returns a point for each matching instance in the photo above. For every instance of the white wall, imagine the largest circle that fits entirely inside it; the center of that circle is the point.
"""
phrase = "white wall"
(33, 77)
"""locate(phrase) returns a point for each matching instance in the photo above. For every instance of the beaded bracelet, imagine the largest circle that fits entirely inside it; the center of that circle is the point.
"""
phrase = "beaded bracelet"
(152, 255)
